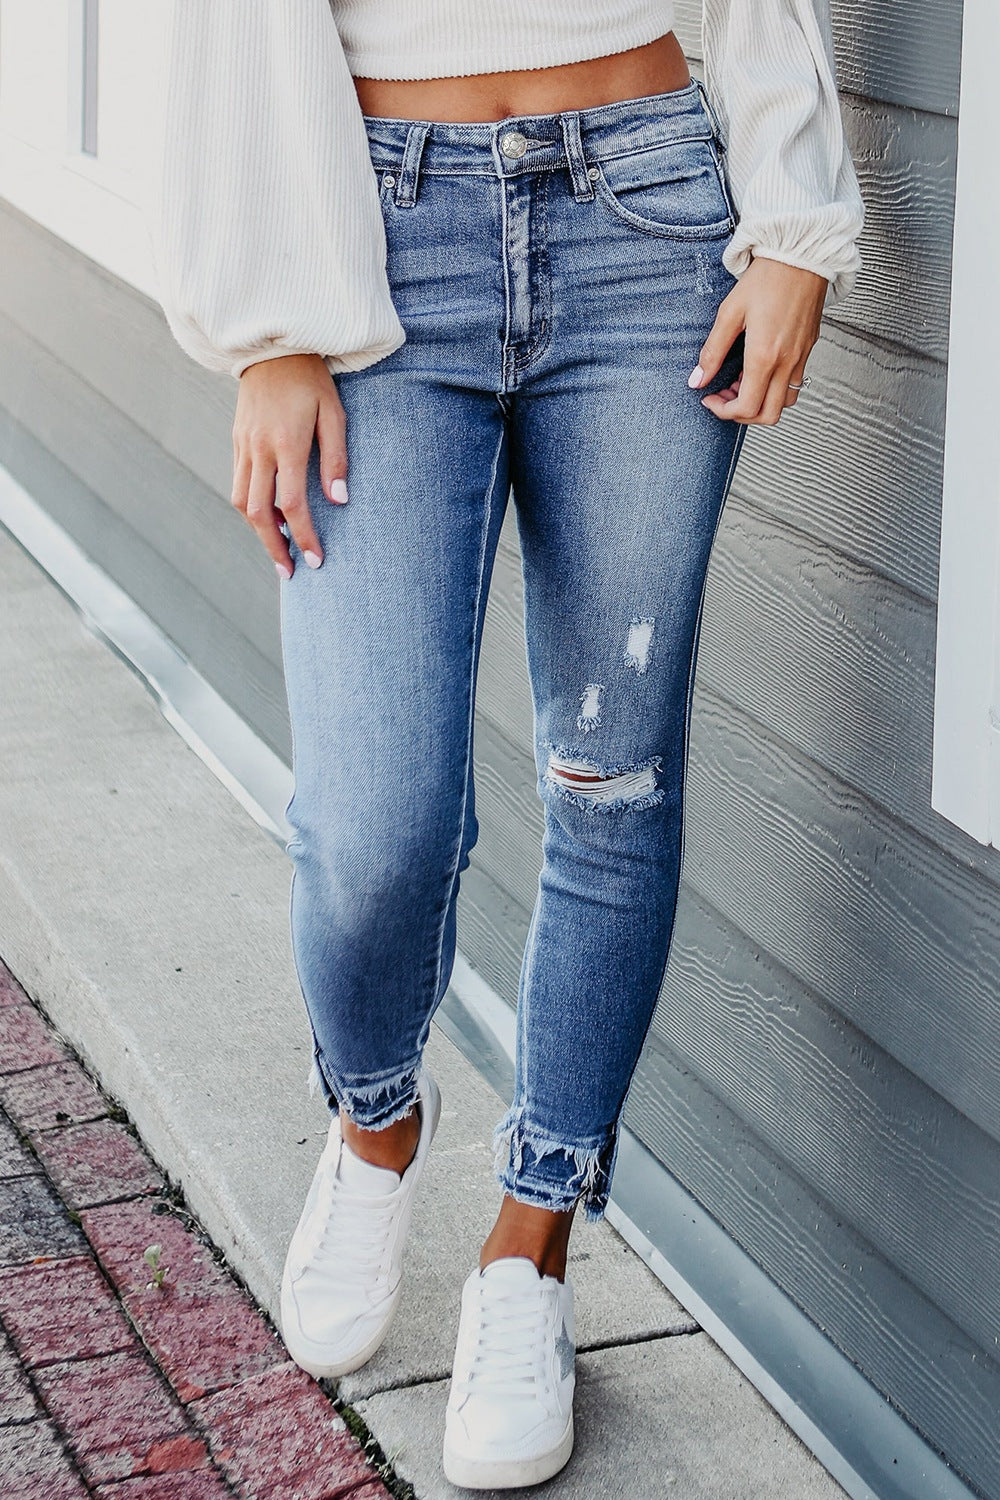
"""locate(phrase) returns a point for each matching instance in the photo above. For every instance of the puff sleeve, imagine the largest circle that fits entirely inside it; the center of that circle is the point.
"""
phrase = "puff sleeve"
(267, 232)
(769, 74)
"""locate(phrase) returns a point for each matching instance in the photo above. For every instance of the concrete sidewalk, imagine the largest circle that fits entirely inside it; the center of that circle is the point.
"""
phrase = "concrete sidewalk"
(147, 914)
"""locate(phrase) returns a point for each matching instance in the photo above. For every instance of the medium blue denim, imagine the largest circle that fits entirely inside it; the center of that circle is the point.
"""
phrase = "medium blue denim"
(556, 276)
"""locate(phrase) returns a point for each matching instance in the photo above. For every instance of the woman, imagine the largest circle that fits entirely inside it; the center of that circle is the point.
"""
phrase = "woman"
(598, 275)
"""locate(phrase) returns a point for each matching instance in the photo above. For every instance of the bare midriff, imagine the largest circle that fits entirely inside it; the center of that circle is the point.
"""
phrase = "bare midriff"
(656, 68)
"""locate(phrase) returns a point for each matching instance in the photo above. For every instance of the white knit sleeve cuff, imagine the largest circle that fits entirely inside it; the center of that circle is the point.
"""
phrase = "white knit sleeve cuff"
(823, 242)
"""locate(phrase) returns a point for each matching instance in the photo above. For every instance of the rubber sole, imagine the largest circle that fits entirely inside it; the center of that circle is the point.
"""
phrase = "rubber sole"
(508, 1474)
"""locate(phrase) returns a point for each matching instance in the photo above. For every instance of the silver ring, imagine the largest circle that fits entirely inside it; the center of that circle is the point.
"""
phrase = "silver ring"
(805, 381)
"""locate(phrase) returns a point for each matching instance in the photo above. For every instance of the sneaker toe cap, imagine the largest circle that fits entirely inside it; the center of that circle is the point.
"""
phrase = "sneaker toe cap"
(503, 1430)
(328, 1333)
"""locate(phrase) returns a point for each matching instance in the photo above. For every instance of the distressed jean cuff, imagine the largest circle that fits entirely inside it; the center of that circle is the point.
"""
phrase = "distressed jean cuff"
(532, 1167)
(370, 1104)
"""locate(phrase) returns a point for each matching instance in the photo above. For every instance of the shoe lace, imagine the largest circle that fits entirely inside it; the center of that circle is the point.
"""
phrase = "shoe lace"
(509, 1353)
(352, 1227)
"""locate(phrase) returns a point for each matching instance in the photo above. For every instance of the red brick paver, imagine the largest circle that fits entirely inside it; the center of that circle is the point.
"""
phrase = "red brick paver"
(34, 1465)
(26, 1041)
(281, 1440)
(119, 1417)
(110, 1386)
(63, 1309)
(11, 993)
(196, 1484)
(56, 1094)
(98, 1162)
(203, 1330)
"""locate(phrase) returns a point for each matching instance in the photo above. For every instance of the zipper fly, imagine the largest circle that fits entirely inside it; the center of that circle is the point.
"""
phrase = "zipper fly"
(527, 285)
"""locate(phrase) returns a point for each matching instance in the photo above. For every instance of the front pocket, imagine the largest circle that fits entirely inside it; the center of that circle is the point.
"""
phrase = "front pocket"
(675, 190)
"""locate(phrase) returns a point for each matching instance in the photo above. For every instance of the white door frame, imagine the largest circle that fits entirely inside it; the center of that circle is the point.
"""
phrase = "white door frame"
(966, 776)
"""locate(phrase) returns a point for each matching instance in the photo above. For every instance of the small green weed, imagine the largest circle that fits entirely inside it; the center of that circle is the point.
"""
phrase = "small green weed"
(151, 1255)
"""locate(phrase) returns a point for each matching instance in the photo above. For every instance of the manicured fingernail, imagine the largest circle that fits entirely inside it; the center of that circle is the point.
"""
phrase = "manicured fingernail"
(338, 491)
(696, 377)
(284, 570)
(313, 559)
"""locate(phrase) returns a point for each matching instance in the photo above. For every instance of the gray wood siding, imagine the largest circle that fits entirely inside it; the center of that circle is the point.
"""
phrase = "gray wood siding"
(888, 52)
(821, 1072)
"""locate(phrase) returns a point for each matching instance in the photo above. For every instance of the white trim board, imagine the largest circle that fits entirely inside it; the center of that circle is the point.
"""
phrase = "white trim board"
(966, 777)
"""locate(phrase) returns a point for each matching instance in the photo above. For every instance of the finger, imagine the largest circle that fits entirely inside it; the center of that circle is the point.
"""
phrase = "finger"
(754, 382)
(797, 375)
(241, 481)
(725, 396)
(263, 518)
(293, 503)
(331, 432)
(774, 400)
(724, 332)
(780, 393)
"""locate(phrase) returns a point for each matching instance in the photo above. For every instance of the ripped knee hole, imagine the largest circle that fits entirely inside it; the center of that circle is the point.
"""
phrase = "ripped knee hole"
(582, 779)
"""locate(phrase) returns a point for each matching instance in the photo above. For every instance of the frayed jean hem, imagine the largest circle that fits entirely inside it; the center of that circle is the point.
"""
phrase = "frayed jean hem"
(536, 1169)
(373, 1105)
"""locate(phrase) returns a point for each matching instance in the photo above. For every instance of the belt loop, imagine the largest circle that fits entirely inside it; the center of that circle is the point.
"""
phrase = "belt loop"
(583, 188)
(409, 171)
(713, 118)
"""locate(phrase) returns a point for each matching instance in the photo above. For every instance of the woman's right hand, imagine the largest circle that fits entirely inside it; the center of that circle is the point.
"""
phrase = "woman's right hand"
(283, 403)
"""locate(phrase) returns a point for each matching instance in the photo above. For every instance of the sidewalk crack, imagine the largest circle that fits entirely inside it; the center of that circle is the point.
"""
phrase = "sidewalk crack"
(686, 1331)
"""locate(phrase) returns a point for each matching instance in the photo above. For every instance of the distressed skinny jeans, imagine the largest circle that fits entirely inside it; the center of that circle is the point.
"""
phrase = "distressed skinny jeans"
(556, 276)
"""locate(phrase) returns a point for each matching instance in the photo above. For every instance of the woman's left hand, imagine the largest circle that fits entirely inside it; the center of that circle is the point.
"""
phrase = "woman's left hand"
(779, 308)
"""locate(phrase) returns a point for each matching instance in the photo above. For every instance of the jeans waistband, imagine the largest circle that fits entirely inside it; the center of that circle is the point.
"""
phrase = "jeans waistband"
(536, 143)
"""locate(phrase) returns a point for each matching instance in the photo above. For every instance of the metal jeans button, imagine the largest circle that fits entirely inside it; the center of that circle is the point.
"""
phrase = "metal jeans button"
(513, 144)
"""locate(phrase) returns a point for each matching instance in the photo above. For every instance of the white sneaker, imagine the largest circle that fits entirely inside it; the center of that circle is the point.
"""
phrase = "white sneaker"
(510, 1413)
(343, 1270)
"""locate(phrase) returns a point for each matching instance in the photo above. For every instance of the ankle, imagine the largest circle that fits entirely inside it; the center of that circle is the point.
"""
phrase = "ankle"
(537, 1234)
(393, 1147)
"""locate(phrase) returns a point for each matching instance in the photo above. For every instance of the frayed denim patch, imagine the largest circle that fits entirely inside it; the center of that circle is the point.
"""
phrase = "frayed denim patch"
(519, 1147)
(372, 1106)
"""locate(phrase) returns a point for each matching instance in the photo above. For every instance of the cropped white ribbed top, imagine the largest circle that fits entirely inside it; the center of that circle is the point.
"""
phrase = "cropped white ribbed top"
(453, 38)
(270, 238)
